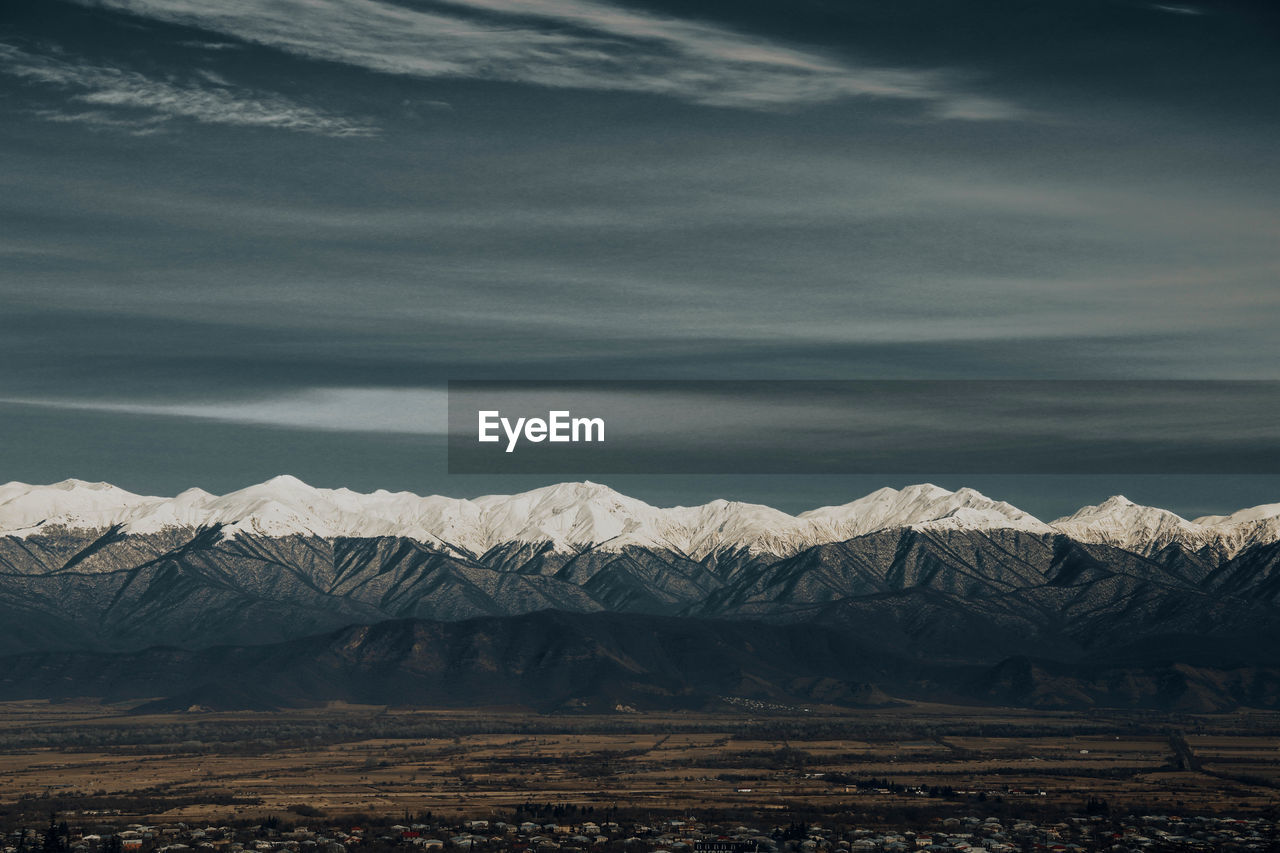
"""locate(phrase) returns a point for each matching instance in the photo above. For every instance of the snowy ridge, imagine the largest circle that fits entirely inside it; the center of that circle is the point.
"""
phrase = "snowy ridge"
(1120, 522)
(921, 505)
(568, 515)
(571, 516)
(1253, 526)
(1146, 530)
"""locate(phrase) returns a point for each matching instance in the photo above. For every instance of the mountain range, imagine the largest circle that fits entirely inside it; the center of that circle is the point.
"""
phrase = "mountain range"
(919, 592)
(570, 516)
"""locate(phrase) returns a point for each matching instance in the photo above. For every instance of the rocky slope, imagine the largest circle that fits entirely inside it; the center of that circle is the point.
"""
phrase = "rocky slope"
(936, 576)
(559, 662)
(548, 661)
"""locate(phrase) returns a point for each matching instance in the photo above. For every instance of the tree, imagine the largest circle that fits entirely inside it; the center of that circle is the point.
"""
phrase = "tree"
(55, 836)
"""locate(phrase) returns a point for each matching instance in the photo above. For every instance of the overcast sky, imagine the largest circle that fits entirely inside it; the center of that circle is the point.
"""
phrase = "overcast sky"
(245, 238)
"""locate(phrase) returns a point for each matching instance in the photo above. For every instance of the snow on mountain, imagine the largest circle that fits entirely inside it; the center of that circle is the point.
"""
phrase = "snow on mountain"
(720, 525)
(921, 505)
(1122, 523)
(1252, 515)
(70, 503)
(576, 514)
(285, 505)
(570, 516)
(1243, 528)
(565, 514)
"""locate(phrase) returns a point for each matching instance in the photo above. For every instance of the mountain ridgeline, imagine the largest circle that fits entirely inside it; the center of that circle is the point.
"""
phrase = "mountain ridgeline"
(577, 596)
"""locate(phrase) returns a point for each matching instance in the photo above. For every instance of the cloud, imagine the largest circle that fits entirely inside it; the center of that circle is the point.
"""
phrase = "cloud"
(414, 411)
(212, 45)
(121, 98)
(1176, 10)
(973, 108)
(578, 44)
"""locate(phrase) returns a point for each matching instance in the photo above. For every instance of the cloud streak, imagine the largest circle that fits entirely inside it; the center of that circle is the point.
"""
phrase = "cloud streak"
(576, 44)
(410, 411)
(116, 97)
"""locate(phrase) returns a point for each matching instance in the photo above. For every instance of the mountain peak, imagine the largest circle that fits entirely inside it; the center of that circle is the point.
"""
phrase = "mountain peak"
(1118, 506)
(72, 483)
(584, 489)
(571, 515)
(922, 504)
(287, 482)
(1262, 512)
(68, 503)
(929, 489)
(1120, 522)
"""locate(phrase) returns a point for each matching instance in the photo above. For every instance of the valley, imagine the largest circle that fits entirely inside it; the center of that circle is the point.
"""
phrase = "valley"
(821, 764)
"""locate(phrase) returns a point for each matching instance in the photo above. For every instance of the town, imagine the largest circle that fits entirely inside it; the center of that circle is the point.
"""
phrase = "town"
(96, 833)
(354, 779)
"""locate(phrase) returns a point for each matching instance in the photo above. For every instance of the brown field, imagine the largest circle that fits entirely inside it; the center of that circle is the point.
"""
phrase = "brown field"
(350, 760)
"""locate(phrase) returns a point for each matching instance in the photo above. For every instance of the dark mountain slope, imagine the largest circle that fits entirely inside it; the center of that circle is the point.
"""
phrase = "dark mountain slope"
(545, 660)
(950, 595)
(555, 661)
(1165, 687)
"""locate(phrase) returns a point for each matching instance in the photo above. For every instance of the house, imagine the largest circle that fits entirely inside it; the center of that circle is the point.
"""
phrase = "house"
(725, 845)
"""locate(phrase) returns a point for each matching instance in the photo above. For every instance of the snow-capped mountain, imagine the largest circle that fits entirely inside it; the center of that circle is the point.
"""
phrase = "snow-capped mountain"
(571, 516)
(84, 565)
(1147, 530)
(282, 506)
(71, 503)
(1245, 528)
(1120, 522)
(920, 505)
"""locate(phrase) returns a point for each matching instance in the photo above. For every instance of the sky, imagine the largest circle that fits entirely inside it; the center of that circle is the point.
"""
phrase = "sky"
(246, 238)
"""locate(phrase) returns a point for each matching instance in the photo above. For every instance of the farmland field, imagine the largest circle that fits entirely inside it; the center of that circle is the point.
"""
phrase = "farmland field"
(347, 760)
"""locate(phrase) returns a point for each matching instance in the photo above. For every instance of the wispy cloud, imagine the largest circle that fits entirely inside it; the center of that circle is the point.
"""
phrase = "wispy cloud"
(116, 97)
(212, 45)
(415, 411)
(974, 108)
(1176, 10)
(583, 44)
